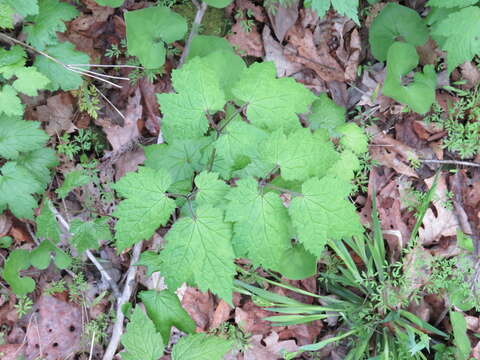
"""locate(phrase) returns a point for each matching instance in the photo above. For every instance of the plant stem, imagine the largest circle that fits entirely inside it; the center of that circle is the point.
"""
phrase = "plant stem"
(283, 190)
(195, 26)
(238, 111)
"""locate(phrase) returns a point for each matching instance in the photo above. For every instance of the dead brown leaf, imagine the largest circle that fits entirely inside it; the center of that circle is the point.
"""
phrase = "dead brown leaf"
(55, 329)
(11, 351)
(272, 350)
(302, 49)
(119, 136)
(442, 222)
(200, 306)
(274, 51)
(250, 318)
(283, 18)
(249, 43)
(470, 73)
(221, 314)
(5, 225)
(58, 114)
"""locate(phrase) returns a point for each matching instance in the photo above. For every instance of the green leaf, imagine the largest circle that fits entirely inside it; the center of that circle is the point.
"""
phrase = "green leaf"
(141, 341)
(47, 225)
(24, 7)
(346, 165)
(347, 8)
(18, 259)
(201, 347)
(353, 138)
(325, 114)
(394, 22)
(150, 30)
(419, 95)
(58, 75)
(110, 3)
(297, 263)
(465, 242)
(73, 179)
(198, 93)
(29, 81)
(6, 16)
(461, 339)
(261, 224)
(204, 45)
(181, 159)
(10, 103)
(239, 143)
(49, 20)
(272, 103)
(17, 187)
(300, 155)
(199, 250)
(219, 4)
(41, 256)
(151, 261)
(16, 54)
(5, 242)
(165, 310)
(461, 31)
(17, 135)
(145, 208)
(38, 162)
(451, 3)
(86, 234)
(211, 190)
(323, 213)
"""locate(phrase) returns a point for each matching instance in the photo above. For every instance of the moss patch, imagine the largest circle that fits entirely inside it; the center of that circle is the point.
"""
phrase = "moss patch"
(214, 21)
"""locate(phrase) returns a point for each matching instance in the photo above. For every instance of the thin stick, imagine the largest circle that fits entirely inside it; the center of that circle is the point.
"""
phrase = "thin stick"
(93, 259)
(195, 26)
(451, 162)
(127, 292)
(91, 347)
(109, 66)
(110, 103)
(98, 74)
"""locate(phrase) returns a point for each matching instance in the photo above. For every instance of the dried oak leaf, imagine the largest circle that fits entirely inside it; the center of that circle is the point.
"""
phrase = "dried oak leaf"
(283, 18)
(55, 330)
(274, 51)
(442, 222)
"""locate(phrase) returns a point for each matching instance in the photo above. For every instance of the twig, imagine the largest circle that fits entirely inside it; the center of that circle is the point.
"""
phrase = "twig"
(91, 346)
(109, 66)
(110, 103)
(93, 259)
(195, 26)
(127, 292)
(451, 162)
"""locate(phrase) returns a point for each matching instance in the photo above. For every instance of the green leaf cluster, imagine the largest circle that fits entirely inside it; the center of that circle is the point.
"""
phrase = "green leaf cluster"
(148, 333)
(397, 30)
(347, 8)
(247, 179)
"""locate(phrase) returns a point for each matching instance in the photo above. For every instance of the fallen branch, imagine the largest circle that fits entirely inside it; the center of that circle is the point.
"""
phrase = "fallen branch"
(127, 292)
(201, 8)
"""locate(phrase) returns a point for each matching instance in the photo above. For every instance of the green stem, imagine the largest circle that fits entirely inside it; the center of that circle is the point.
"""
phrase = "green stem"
(283, 190)
(238, 111)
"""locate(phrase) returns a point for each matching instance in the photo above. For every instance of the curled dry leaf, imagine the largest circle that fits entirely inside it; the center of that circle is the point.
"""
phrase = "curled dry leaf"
(5, 225)
(55, 330)
(200, 306)
(470, 73)
(442, 222)
(221, 314)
